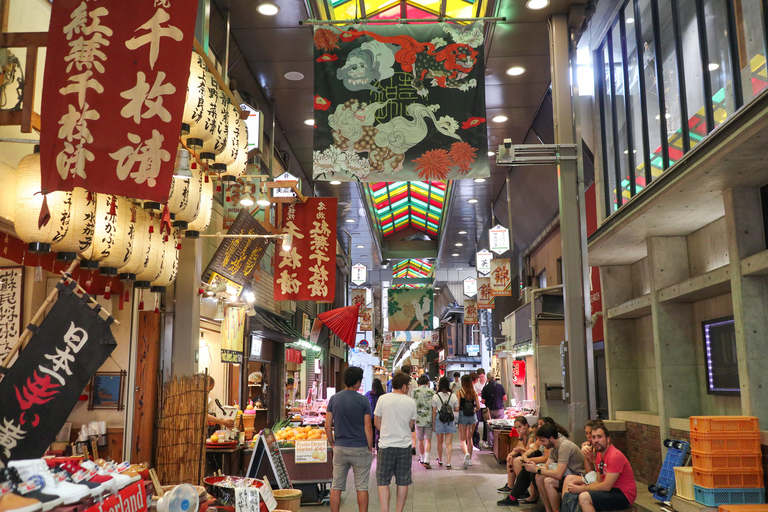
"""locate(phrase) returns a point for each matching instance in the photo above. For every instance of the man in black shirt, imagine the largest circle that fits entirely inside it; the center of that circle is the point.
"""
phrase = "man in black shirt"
(494, 396)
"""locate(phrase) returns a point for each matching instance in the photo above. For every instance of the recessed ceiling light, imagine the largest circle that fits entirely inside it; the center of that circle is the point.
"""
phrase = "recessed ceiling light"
(499, 119)
(459, 244)
(667, 116)
(713, 66)
(516, 71)
(630, 20)
(467, 218)
(472, 201)
(350, 220)
(294, 75)
(361, 247)
(336, 182)
(479, 180)
(536, 4)
(268, 9)
(309, 122)
(462, 232)
(455, 255)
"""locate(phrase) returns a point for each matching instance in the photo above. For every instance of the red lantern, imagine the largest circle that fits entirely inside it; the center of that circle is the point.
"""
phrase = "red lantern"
(518, 372)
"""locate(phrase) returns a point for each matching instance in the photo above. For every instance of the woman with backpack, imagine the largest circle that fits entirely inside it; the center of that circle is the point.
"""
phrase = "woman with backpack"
(444, 405)
(468, 406)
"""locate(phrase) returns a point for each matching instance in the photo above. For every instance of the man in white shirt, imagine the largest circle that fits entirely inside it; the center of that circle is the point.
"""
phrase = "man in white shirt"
(412, 385)
(395, 417)
(479, 384)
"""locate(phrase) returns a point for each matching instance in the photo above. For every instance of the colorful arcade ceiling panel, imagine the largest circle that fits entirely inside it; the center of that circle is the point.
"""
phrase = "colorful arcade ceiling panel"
(401, 204)
(412, 268)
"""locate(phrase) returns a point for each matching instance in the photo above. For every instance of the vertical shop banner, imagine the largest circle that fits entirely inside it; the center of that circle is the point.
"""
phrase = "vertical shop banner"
(483, 262)
(470, 312)
(42, 387)
(450, 338)
(232, 332)
(501, 278)
(485, 298)
(366, 319)
(307, 270)
(359, 297)
(11, 303)
(410, 309)
(113, 95)
(400, 103)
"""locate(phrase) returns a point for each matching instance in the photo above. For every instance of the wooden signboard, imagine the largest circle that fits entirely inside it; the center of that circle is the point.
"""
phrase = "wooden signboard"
(267, 445)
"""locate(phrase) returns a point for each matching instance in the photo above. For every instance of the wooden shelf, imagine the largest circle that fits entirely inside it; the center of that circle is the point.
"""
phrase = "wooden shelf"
(635, 308)
(755, 265)
(713, 283)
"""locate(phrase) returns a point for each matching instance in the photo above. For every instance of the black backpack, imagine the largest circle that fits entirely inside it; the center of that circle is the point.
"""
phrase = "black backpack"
(446, 414)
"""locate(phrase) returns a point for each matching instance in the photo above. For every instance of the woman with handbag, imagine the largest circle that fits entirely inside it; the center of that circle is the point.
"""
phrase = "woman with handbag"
(444, 405)
(468, 406)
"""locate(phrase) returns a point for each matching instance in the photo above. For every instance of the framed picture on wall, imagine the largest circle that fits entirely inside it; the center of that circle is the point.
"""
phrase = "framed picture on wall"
(722, 366)
(107, 391)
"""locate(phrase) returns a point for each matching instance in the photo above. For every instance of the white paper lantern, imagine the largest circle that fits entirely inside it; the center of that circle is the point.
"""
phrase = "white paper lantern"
(200, 105)
(29, 201)
(184, 200)
(153, 256)
(170, 264)
(203, 217)
(211, 120)
(241, 161)
(112, 239)
(82, 218)
(135, 263)
(217, 145)
(228, 156)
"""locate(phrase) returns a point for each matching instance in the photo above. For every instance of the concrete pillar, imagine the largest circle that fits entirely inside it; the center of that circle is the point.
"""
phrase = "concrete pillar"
(573, 234)
(674, 342)
(186, 308)
(744, 225)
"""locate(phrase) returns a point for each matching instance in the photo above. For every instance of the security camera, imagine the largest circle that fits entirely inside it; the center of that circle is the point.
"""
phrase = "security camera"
(507, 143)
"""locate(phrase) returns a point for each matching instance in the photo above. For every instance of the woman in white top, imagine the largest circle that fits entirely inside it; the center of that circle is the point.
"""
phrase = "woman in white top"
(443, 430)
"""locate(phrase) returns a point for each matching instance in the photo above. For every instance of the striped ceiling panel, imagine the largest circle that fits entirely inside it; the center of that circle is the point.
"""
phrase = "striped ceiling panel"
(401, 204)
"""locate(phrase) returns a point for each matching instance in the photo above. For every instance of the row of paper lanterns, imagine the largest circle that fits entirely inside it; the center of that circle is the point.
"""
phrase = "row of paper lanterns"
(115, 232)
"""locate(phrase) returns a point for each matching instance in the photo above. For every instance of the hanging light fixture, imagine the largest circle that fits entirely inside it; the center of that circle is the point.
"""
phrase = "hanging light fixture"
(141, 238)
(31, 223)
(203, 217)
(184, 197)
(198, 112)
(213, 102)
(287, 242)
(155, 254)
(219, 314)
(228, 157)
(263, 201)
(247, 199)
(82, 213)
(181, 168)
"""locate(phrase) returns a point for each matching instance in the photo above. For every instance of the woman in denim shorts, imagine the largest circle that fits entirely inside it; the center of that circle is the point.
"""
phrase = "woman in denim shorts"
(467, 404)
(444, 431)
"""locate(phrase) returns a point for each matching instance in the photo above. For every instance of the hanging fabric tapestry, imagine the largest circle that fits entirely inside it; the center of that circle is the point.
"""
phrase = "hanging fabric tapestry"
(501, 279)
(485, 298)
(400, 103)
(410, 309)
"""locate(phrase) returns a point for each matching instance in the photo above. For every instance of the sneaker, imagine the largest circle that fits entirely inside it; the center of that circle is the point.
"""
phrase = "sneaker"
(120, 480)
(97, 489)
(467, 460)
(124, 469)
(426, 464)
(11, 502)
(37, 470)
(505, 490)
(470, 461)
(439, 462)
(80, 474)
(508, 502)
(10, 477)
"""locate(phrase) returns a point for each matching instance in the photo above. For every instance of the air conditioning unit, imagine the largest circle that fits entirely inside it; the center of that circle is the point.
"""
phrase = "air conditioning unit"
(288, 306)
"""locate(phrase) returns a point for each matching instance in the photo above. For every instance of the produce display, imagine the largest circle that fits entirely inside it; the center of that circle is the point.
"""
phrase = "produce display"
(287, 435)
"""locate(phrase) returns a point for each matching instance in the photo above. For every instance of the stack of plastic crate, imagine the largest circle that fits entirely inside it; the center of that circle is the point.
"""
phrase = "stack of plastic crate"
(727, 462)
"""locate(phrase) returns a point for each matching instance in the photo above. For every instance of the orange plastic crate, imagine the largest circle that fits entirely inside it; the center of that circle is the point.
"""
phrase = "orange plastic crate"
(724, 424)
(716, 461)
(719, 443)
(727, 478)
(743, 508)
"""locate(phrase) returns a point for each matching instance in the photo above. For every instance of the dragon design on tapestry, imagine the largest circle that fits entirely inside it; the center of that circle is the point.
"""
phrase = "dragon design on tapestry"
(399, 115)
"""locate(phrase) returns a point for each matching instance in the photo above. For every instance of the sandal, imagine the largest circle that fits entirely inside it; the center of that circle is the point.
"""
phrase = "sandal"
(528, 501)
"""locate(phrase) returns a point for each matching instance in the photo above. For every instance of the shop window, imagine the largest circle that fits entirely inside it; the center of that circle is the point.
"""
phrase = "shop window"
(636, 154)
(670, 81)
(692, 71)
(609, 153)
(719, 63)
(651, 91)
(620, 99)
(722, 368)
(748, 16)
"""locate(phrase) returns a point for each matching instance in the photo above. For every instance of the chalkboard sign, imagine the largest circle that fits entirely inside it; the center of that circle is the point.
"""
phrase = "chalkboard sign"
(720, 351)
(267, 445)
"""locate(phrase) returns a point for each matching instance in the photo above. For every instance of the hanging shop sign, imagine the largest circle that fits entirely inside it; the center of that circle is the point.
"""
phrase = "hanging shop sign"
(450, 339)
(286, 192)
(387, 339)
(255, 124)
(242, 190)
(470, 312)
(306, 326)
(359, 273)
(11, 307)
(473, 350)
(42, 387)
(485, 298)
(518, 372)
(501, 278)
(237, 258)
(410, 309)
(111, 97)
(307, 270)
(358, 296)
(435, 338)
(483, 261)
(232, 331)
(470, 287)
(400, 103)
(499, 239)
(366, 319)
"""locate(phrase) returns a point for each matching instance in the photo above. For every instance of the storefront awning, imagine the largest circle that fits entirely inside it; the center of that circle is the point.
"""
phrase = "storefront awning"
(275, 327)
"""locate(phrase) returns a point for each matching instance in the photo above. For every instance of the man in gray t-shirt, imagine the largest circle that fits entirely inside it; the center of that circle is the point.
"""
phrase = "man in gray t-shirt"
(351, 438)
(565, 458)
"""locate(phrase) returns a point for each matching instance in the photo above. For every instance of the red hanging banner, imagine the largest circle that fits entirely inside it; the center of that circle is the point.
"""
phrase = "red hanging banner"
(307, 269)
(113, 95)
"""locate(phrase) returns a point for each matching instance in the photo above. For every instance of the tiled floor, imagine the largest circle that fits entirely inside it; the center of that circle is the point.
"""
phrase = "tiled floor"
(442, 490)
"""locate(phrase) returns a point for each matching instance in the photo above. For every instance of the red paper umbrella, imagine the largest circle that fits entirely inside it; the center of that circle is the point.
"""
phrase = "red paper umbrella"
(342, 322)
